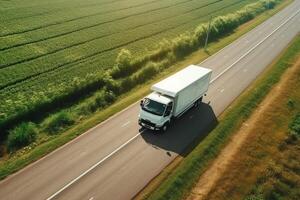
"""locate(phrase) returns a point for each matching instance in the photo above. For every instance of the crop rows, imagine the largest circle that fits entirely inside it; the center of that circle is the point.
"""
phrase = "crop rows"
(37, 58)
(80, 14)
(93, 30)
(31, 9)
(51, 64)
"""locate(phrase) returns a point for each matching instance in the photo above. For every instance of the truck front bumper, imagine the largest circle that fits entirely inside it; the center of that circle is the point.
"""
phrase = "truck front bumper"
(153, 127)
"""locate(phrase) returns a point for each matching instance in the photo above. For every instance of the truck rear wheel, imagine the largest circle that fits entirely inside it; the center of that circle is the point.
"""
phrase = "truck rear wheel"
(198, 102)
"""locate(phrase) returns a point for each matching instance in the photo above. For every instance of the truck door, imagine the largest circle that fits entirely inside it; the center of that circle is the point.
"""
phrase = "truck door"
(168, 111)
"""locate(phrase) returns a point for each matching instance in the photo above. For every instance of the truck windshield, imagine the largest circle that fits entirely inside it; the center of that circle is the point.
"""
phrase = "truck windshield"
(153, 107)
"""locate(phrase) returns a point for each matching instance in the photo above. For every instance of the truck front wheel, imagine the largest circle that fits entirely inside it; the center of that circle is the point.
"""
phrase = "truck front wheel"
(165, 127)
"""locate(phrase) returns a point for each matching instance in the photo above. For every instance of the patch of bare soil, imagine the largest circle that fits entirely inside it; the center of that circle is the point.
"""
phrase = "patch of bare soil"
(221, 164)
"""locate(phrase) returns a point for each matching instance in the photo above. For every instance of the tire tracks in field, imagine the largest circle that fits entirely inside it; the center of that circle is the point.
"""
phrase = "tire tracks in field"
(94, 38)
(77, 18)
(84, 59)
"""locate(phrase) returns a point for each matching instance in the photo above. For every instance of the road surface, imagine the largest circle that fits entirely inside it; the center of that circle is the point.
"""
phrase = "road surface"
(115, 160)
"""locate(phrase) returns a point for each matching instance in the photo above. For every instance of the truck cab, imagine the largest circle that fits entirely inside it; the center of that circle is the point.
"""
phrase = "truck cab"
(156, 111)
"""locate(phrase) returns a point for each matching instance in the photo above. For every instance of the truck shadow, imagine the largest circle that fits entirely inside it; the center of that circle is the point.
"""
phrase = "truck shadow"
(185, 133)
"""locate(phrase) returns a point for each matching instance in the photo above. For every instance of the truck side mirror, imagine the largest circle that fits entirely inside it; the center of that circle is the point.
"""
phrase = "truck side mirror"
(167, 113)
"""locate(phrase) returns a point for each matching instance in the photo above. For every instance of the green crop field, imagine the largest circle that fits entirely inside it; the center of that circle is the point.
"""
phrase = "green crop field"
(50, 48)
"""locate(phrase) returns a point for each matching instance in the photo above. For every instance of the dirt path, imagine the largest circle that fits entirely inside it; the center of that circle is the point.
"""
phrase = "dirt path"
(221, 164)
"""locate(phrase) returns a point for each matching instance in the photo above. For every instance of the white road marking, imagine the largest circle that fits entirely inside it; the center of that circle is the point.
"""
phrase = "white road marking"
(222, 90)
(130, 140)
(125, 124)
(93, 167)
(92, 198)
(250, 50)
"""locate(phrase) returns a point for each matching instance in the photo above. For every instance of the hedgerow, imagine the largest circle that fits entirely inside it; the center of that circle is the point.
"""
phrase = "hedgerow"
(21, 136)
(99, 100)
(58, 121)
(188, 42)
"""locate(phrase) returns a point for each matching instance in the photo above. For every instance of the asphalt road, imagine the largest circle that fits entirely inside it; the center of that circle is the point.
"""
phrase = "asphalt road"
(115, 160)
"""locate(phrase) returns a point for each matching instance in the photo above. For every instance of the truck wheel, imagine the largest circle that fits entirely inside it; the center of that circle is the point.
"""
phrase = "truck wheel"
(198, 102)
(165, 127)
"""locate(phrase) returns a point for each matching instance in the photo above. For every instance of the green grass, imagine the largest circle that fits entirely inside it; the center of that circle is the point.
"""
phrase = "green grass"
(46, 144)
(180, 182)
(280, 179)
(295, 125)
(269, 165)
(45, 53)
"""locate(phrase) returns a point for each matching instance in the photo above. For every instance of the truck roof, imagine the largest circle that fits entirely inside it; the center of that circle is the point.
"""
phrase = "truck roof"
(175, 83)
(159, 98)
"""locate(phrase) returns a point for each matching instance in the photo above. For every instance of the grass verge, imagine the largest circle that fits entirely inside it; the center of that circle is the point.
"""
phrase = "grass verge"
(269, 165)
(31, 153)
(180, 182)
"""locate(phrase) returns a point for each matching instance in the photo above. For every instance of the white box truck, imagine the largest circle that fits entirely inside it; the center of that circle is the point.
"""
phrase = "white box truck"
(173, 96)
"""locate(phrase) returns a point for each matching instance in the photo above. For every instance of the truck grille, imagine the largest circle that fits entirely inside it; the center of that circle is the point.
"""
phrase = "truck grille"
(148, 123)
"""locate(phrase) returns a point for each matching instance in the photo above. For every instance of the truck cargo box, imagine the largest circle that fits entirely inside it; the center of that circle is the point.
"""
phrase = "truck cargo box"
(186, 86)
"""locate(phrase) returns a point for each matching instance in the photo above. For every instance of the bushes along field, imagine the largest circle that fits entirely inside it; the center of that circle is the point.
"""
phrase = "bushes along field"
(58, 121)
(22, 135)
